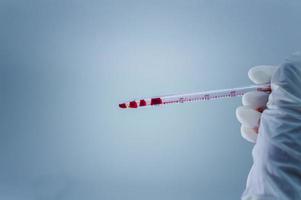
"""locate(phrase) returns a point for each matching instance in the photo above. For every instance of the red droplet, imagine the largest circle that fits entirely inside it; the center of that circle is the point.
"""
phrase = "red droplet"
(260, 109)
(156, 101)
(133, 104)
(142, 102)
(122, 105)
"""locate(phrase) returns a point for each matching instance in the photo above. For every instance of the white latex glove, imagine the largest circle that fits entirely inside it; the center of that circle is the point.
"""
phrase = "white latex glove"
(254, 103)
(276, 169)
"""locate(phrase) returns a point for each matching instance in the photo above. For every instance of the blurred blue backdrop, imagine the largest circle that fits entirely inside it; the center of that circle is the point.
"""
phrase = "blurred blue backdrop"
(65, 66)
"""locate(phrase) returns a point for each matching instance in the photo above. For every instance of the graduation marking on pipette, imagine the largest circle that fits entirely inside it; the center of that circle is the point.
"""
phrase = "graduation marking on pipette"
(193, 97)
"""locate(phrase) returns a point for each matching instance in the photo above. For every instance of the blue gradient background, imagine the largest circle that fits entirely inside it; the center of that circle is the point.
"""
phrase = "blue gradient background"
(65, 65)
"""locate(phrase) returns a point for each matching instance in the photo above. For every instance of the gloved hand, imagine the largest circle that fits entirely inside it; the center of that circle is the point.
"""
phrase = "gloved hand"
(254, 103)
(276, 171)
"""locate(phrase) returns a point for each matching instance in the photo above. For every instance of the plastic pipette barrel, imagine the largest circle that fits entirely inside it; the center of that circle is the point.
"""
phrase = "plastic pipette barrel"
(193, 97)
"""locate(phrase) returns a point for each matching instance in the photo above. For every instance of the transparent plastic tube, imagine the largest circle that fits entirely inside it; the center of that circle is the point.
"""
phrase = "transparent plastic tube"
(193, 97)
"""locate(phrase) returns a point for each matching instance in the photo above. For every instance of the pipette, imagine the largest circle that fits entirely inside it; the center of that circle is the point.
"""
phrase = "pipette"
(193, 97)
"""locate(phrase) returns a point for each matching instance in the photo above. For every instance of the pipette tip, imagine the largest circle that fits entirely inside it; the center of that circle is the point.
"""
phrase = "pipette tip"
(122, 105)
